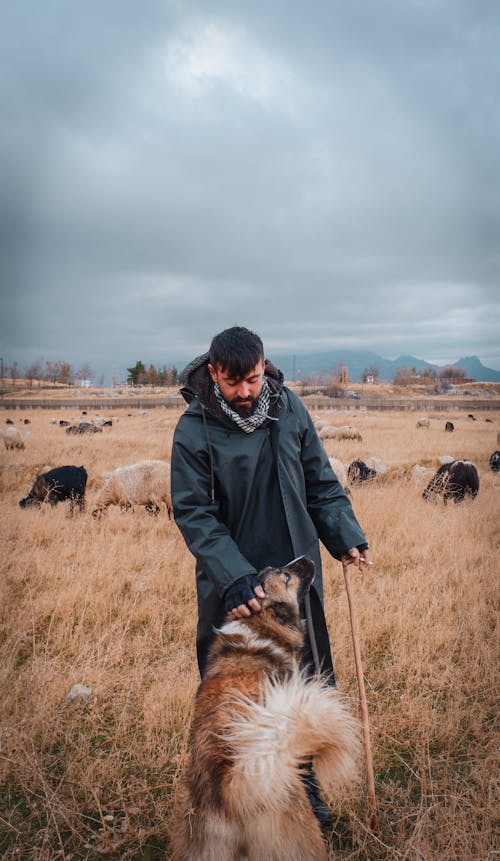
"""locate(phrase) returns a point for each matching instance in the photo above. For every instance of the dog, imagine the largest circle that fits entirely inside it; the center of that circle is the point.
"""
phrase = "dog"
(258, 719)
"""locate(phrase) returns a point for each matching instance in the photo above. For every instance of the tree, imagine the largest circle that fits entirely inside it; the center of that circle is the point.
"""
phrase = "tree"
(58, 372)
(14, 372)
(84, 372)
(135, 372)
(33, 372)
(404, 376)
(451, 372)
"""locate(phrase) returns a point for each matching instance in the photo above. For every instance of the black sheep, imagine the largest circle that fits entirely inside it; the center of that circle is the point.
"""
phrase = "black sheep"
(57, 485)
(358, 472)
(453, 481)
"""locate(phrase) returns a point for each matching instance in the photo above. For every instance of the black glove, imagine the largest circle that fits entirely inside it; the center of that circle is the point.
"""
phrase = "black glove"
(240, 592)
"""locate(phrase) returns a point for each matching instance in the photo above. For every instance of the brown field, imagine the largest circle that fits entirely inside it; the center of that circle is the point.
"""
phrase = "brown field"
(111, 604)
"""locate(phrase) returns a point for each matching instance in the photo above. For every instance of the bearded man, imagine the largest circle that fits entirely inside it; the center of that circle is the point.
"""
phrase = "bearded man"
(252, 486)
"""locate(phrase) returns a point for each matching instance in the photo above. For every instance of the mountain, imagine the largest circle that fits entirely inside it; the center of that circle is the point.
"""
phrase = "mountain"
(300, 365)
(477, 371)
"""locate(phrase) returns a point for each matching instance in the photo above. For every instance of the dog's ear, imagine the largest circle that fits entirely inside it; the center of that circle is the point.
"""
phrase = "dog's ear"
(304, 568)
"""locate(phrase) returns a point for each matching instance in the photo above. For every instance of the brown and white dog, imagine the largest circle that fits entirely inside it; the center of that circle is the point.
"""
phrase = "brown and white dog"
(256, 720)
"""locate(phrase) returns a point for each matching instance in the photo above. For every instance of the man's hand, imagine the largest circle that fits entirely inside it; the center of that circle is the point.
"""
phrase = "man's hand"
(241, 598)
(356, 557)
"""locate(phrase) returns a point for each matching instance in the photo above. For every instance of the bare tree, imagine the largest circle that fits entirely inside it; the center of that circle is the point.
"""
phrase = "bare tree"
(84, 372)
(58, 372)
(33, 372)
(14, 372)
(451, 372)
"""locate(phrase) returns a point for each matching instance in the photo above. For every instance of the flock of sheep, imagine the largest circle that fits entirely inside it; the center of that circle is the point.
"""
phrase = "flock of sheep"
(147, 483)
(454, 480)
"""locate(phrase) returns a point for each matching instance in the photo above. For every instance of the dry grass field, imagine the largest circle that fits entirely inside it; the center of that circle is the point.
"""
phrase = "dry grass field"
(110, 604)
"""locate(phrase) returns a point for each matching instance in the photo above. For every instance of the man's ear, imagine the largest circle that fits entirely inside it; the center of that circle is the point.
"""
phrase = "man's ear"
(212, 372)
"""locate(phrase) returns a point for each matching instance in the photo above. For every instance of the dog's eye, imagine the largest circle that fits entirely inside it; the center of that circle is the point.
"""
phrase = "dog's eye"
(287, 578)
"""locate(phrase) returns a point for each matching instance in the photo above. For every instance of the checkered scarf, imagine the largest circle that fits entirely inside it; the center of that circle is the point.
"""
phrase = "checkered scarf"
(259, 415)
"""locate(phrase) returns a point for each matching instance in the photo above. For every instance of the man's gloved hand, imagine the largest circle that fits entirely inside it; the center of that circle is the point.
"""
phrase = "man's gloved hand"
(241, 596)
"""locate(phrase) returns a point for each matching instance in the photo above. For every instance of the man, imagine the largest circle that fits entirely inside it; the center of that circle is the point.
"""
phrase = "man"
(252, 486)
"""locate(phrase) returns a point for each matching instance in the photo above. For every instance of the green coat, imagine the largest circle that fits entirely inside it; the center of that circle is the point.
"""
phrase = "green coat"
(215, 472)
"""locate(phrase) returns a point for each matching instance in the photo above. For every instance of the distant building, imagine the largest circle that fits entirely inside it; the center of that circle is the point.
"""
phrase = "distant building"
(85, 384)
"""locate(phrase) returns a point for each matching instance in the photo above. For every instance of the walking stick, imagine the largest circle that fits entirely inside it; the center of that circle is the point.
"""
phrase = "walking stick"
(372, 804)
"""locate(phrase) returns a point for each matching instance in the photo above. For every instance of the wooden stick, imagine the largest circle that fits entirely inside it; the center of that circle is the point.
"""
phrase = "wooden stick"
(372, 807)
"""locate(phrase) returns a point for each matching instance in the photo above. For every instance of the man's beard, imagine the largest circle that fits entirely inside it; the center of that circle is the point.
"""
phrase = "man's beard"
(244, 409)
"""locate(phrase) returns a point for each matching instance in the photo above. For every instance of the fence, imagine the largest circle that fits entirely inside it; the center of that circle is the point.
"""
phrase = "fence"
(314, 404)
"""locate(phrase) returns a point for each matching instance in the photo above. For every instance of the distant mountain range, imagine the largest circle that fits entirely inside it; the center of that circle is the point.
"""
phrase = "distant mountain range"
(307, 364)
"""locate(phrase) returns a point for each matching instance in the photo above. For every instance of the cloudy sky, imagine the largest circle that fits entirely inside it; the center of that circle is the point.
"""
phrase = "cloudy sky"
(326, 173)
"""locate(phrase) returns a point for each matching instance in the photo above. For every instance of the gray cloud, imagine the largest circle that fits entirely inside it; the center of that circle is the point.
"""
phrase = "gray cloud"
(326, 176)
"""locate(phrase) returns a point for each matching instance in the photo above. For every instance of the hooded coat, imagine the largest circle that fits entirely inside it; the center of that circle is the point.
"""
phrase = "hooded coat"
(243, 501)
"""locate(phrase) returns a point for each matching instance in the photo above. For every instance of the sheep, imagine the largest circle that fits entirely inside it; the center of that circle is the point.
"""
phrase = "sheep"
(424, 423)
(83, 427)
(57, 485)
(12, 438)
(358, 472)
(495, 461)
(449, 427)
(144, 483)
(344, 432)
(453, 481)
(378, 465)
(339, 470)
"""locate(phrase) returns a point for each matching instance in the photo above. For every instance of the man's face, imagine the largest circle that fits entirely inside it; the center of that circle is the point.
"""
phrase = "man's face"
(241, 394)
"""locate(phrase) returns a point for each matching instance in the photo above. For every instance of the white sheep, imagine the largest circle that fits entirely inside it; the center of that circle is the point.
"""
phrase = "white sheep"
(378, 465)
(145, 483)
(12, 438)
(424, 423)
(339, 470)
(344, 432)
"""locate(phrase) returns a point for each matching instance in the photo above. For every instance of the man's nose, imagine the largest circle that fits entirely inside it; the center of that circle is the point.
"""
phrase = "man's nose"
(243, 390)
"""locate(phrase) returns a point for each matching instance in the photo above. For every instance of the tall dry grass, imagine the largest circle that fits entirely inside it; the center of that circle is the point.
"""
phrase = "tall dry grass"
(111, 604)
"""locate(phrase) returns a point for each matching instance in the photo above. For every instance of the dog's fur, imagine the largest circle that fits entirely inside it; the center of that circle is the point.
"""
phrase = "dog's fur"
(256, 720)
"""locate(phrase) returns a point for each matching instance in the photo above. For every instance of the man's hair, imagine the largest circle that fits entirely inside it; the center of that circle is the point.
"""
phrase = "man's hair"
(237, 350)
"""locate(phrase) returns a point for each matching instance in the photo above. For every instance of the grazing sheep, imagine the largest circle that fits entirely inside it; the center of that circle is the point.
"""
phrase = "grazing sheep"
(424, 423)
(145, 483)
(471, 417)
(449, 427)
(378, 465)
(339, 470)
(495, 461)
(9, 422)
(58, 485)
(344, 432)
(83, 427)
(359, 472)
(453, 481)
(12, 438)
